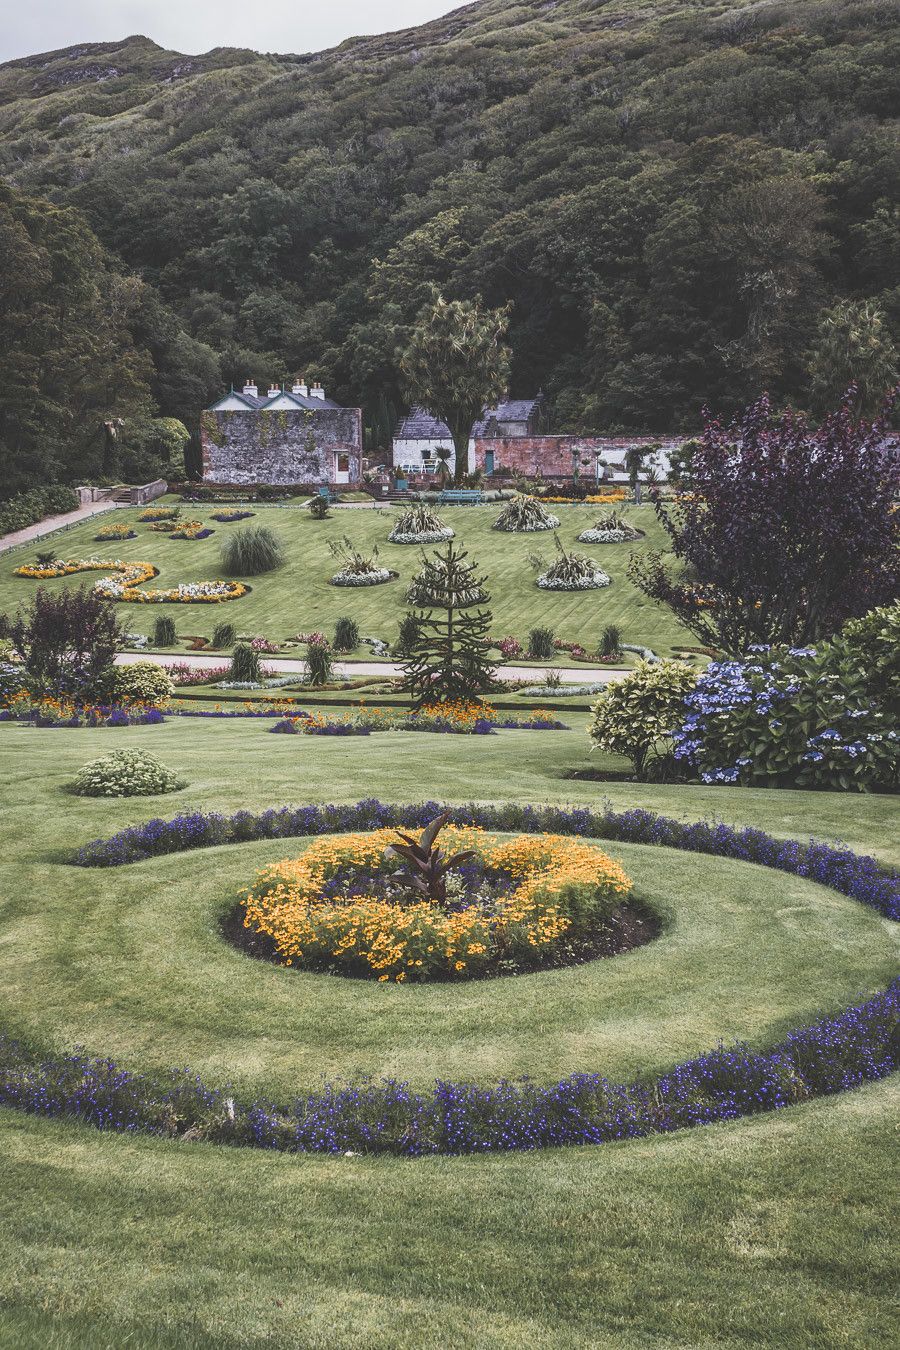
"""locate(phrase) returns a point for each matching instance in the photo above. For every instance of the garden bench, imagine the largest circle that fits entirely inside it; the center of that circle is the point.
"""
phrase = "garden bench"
(461, 497)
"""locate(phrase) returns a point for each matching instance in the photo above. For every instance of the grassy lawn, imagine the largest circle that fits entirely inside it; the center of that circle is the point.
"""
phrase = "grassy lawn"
(768, 1232)
(298, 598)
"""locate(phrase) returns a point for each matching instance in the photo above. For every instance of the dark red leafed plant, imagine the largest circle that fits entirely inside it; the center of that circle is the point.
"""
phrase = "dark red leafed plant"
(428, 865)
(788, 530)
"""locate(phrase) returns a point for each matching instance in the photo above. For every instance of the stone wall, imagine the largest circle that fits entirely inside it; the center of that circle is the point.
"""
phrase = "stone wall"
(274, 447)
(553, 456)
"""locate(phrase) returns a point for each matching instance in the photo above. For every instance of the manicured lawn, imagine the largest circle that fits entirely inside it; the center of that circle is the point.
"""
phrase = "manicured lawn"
(772, 1231)
(298, 598)
(131, 960)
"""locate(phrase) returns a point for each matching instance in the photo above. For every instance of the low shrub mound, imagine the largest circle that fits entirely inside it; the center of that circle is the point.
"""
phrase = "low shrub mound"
(420, 525)
(252, 551)
(610, 529)
(572, 572)
(390, 906)
(143, 682)
(126, 773)
(525, 515)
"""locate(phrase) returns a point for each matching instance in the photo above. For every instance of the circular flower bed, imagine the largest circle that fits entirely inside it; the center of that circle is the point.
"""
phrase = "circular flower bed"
(113, 533)
(125, 773)
(593, 580)
(135, 574)
(419, 525)
(387, 905)
(375, 577)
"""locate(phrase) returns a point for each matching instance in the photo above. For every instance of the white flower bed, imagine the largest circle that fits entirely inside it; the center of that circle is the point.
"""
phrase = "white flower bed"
(378, 645)
(376, 577)
(592, 582)
(277, 682)
(424, 537)
(607, 537)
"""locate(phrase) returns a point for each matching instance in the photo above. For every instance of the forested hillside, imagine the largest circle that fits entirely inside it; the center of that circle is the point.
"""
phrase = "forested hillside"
(672, 195)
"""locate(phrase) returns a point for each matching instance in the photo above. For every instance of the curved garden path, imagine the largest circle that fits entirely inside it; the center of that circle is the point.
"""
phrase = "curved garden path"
(289, 666)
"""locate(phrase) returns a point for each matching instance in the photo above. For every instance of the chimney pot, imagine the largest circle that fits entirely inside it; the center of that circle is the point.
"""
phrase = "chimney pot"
(301, 387)
(250, 388)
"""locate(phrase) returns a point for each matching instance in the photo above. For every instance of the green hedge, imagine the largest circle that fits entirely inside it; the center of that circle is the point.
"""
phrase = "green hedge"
(31, 506)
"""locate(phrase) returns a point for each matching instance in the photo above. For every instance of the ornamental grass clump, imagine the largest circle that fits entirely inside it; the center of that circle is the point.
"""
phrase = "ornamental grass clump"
(572, 572)
(319, 662)
(420, 525)
(224, 635)
(126, 773)
(525, 515)
(346, 635)
(541, 644)
(245, 665)
(252, 551)
(164, 634)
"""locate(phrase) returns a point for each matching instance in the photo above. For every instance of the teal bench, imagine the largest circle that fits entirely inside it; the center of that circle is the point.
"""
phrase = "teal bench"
(461, 497)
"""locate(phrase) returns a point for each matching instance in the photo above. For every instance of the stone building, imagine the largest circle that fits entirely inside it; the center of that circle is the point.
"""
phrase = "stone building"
(286, 438)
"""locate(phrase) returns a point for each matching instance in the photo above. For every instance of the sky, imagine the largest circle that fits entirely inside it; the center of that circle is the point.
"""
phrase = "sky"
(197, 25)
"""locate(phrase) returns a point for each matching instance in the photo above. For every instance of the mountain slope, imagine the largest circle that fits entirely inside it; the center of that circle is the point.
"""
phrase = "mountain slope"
(671, 194)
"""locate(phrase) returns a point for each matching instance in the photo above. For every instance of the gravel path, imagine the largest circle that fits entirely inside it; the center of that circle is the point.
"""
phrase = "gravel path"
(52, 523)
(347, 669)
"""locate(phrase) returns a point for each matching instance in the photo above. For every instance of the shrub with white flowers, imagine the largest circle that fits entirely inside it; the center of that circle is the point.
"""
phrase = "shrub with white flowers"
(126, 773)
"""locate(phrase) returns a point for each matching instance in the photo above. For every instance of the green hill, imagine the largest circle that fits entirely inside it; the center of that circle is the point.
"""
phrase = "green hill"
(670, 193)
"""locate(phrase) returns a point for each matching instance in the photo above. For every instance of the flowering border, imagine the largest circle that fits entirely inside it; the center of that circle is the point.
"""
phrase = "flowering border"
(834, 1054)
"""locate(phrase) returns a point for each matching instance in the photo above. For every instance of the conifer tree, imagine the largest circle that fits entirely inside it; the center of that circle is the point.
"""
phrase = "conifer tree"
(448, 659)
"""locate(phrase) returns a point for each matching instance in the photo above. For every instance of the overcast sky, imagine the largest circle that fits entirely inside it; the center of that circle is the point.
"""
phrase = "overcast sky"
(31, 26)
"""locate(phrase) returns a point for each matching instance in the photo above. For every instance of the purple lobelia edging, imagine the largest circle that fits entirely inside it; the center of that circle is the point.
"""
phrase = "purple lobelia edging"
(856, 875)
(835, 1054)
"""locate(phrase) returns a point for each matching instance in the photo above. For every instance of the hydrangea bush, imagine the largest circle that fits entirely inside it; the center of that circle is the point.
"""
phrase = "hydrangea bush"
(126, 773)
(789, 716)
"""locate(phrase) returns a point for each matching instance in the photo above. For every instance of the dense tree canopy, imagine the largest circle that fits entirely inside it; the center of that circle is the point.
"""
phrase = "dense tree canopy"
(671, 197)
(90, 358)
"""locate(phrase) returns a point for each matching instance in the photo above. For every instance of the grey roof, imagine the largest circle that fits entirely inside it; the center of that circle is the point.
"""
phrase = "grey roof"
(510, 410)
(419, 425)
(257, 402)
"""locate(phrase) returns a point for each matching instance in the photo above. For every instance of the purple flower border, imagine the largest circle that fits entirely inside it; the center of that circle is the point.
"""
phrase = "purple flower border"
(836, 1053)
(856, 875)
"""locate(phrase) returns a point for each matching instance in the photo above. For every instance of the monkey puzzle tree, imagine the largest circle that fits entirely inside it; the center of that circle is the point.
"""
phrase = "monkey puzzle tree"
(456, 364)
(448, 657)
(788, 530)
